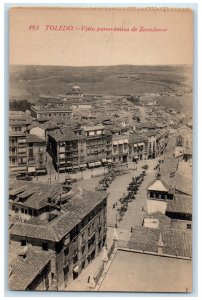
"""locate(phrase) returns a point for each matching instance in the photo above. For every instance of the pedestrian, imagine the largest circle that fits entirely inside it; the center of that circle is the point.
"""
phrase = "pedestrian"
(131, 230)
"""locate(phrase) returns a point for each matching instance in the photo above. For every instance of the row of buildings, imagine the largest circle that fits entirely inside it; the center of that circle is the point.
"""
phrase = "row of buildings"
(76, 146)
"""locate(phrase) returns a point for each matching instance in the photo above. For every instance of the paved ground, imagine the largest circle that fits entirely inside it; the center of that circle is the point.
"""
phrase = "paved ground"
(54, 177)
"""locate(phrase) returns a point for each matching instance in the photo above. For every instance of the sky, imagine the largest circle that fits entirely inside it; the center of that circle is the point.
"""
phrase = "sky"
(32, 44)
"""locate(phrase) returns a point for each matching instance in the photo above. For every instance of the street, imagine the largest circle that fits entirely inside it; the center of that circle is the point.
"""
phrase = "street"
(132, 217)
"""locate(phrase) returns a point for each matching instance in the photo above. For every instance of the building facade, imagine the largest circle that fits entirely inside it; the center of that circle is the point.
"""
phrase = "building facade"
(36, 155)
(95, 136)
(138, 147)
(17, 144)
(67, 149)
(47, 112)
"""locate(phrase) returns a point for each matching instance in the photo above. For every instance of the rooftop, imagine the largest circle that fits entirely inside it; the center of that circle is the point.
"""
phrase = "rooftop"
(64, 134)
(39, 196)
(32, 138)
(80, 203)
(52, 107)
(139, 272)
(163, 219)
(93, 127)
(183, 184)
(134, 138)
(181, 204)
(175, 242)
(158, 185)
(24, 270)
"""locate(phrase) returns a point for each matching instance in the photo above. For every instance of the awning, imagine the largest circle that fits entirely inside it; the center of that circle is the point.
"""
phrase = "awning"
(135, 145)
(114, 143)
(90, 165)
(139, 144)
(142, 144)
(18, 169)
(62, 162)
(125, 141)
(97, 163)
(61, 169)
(121, 142)
(31, 169)
(109, 160)
(104, 160)
(41, 171)
(136, 157)
(62, 155)
(76, 269)
(83, 166)
(75, 167)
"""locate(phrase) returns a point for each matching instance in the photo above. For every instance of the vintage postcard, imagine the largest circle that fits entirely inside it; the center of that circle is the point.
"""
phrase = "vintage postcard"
(100, 149)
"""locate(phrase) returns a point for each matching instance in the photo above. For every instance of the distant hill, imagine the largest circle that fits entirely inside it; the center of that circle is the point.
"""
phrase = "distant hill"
(27, 82)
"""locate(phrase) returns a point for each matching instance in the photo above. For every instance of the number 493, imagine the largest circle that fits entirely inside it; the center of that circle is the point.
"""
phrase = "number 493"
(33, 27)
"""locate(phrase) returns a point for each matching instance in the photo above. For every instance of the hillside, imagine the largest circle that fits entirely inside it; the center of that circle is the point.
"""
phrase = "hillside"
(27, 82)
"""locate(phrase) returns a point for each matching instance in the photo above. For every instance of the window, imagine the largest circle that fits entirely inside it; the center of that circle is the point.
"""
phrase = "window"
(66, 251)
(83, 249)
(22, 210)
(31, 153)
(188, 226)
(45, 246)
(89, 230)
(66, 270)
(83, 265)
(23, 242)
(75, 258)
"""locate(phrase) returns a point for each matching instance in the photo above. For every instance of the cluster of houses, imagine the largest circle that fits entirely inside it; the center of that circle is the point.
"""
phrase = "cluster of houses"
(54, 233)
(74, 146)
(56, 230)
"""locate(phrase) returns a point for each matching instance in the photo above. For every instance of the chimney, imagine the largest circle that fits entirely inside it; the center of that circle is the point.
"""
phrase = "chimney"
(160, 245)
(158, 176)
(23, 252)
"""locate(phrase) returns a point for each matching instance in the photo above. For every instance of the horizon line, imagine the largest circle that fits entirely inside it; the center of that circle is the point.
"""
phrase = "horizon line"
(113, 65)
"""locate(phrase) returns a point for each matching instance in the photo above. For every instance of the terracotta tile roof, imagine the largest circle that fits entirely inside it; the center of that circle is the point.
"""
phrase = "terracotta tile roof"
(84, 201)
(163, 219)
(158, 185)
(183, 184)
(64, 134)
(78, 206)
(175, 242)
(40, 193)
(181, 204)
(134, 138)
(24, 271)
(55, 230)
(34, 124)
(32, 138)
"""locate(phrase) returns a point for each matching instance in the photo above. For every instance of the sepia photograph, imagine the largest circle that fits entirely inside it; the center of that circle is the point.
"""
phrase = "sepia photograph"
(100, 149)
